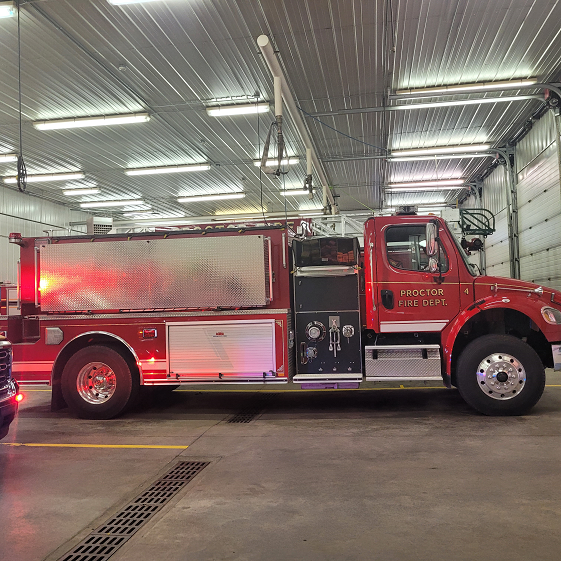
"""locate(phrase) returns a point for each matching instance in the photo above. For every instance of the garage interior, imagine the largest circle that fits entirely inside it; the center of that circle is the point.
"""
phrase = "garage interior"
(122, 116)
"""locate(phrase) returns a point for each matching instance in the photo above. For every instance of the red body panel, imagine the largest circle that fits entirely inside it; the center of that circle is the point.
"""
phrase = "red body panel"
(34, 359)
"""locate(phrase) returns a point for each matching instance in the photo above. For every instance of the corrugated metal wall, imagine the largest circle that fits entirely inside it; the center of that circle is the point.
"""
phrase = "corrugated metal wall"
(496, 245)
(30, 216)
(539, 204)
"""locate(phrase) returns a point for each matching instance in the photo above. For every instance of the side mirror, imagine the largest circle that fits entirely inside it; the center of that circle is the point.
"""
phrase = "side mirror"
(431, 235)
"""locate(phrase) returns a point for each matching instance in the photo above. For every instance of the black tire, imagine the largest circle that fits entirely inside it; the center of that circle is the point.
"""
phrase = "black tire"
(500, 375)
(115, 388)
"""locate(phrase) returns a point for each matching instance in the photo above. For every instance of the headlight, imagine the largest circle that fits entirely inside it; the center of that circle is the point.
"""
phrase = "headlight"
(551, 315)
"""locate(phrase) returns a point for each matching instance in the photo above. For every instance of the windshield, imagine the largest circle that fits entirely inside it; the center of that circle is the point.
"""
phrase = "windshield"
(473, 269)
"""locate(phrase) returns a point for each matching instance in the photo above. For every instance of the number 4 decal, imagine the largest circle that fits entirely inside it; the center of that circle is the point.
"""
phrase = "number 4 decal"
(466, 290)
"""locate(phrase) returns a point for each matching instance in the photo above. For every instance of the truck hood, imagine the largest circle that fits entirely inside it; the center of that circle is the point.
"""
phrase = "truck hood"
(497, 286)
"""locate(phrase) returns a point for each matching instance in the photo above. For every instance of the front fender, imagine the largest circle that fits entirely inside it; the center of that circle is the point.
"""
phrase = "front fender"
(530, 307)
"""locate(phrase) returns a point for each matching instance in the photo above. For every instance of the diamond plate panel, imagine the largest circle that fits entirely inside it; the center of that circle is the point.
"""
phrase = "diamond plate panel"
(154, 274)
(402, 363)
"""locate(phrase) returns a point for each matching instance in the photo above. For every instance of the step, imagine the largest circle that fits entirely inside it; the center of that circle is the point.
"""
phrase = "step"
(402, 362)
(328, 377)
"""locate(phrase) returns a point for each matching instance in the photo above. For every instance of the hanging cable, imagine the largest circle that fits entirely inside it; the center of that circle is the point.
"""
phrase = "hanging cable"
(22, 171)
(340, 132)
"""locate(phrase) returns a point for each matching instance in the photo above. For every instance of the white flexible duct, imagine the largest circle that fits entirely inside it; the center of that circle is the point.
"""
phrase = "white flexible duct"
(274, 66)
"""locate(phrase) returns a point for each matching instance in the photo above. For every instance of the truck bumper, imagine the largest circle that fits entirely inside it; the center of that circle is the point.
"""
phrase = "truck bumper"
(556, 351)
(8, 403)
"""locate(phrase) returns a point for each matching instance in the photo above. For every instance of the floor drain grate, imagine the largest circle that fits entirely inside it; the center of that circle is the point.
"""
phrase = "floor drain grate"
(104, 541)
(255, 407)
(243, 417)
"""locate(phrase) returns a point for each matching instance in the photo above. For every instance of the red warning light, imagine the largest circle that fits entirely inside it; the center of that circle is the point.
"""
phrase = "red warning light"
(149, 333)
(19, 397)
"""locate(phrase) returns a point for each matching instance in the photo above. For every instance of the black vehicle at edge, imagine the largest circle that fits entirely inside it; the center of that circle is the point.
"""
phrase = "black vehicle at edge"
(8, 388)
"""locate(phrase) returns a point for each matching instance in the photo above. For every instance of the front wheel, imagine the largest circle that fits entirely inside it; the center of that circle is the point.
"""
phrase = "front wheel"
(97, 383)
(500, 375)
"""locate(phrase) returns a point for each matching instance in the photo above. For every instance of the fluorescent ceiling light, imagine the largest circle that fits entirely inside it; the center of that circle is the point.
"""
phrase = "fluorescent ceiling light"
(291, 192)
(245, 109)
(271, 163)
(479, 101)
(8, 158)
(72, 192)
(7, 9)
(439, 157)
(167, 169)
(427, 188)
(441, 150)
(435, 183)
(41, 178)
(504, 84)
(240, 218)
(126, 202)
(305, 214)
(121, 2)
(199, 198)
(142, 213)
(99, 121)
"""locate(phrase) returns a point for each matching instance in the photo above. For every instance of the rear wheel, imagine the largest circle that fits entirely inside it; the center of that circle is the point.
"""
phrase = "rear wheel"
(500, 375)
(97, 383)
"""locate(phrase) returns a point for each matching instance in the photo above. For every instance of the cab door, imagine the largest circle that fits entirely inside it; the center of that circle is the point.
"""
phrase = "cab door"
(410, 298)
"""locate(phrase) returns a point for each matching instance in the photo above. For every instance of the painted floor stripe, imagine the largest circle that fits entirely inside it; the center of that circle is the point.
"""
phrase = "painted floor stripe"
(140, 446)
(24, 390)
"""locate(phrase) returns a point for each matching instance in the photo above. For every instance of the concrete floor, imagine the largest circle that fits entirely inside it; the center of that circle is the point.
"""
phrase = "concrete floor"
(391, 474)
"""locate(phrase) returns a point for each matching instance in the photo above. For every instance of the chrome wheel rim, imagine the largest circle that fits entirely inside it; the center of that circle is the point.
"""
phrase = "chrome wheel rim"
(96, 383)
(501, 376)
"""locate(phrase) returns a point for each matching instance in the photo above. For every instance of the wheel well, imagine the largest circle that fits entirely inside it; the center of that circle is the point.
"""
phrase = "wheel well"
(86, 340)
(502, 321)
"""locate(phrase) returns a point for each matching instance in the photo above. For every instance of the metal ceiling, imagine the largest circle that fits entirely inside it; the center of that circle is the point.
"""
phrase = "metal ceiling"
(173, 58)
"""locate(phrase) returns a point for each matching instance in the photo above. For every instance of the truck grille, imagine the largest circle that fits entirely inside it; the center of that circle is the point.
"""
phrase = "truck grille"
(5, 365)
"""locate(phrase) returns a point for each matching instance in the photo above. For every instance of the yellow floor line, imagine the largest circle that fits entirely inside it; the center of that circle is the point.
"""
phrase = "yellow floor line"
(141, 446)
(401, 387)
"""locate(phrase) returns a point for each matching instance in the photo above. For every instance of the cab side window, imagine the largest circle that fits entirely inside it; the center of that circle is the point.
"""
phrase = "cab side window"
(406, 248)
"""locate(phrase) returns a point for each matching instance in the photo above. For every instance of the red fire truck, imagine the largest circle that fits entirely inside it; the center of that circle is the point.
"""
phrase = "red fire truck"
(99, 316)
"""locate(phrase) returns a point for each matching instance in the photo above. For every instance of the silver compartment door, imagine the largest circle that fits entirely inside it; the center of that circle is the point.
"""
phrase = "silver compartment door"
(227, 271)
(233, 349)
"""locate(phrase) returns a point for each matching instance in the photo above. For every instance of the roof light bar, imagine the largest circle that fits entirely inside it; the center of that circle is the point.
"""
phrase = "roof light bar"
(220, 197)
(271, 163)
(98, 121)
(8, 158)
(73, 192)
(126, 202)
(501, 85)
(42, 178)
(242, 109)
(168, 169)
(441, 150)
(435, 183)
(7, 9)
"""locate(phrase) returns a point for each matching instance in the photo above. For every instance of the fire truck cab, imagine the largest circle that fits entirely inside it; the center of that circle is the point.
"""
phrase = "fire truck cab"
(97, 317)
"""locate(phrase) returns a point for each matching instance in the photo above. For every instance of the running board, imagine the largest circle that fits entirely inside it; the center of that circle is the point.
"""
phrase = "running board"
(402, 362)
(327, 378)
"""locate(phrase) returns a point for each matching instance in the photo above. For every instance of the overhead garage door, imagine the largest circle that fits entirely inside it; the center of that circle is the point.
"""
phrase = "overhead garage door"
(539, 205)
(496, 245)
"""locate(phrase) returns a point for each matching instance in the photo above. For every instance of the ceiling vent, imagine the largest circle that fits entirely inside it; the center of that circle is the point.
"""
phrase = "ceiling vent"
(99, 225)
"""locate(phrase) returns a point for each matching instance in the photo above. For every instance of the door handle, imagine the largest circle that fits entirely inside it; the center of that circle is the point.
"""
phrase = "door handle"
(387, 299)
